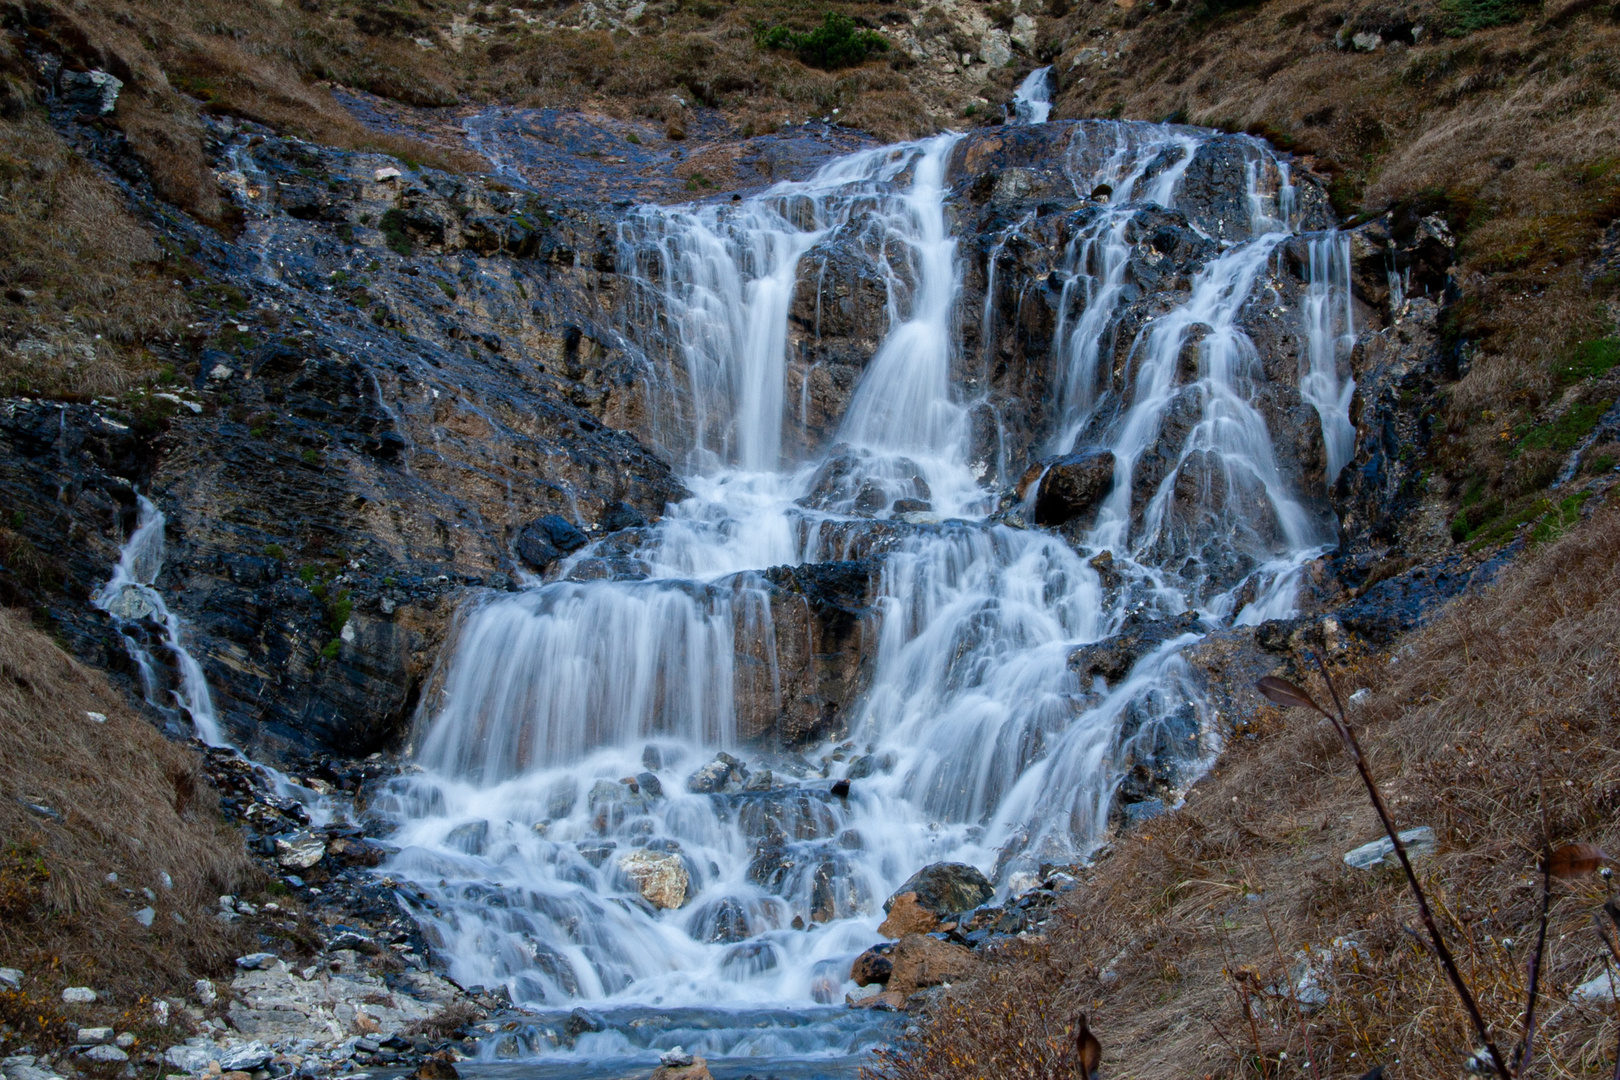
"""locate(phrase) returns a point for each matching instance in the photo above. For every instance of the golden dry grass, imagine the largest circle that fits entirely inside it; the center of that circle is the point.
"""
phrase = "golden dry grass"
(1504, 709)
(129, 803)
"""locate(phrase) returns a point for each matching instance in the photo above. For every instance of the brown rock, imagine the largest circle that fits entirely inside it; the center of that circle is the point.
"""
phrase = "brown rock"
(1070, 486)
(888, 1001)
(698, 1070)
(907, 916)
(920, 961)
(437, 1067)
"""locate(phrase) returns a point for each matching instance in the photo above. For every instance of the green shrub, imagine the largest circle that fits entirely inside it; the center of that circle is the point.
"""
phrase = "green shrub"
(836, 43)
(392, 226)
(1463, 17)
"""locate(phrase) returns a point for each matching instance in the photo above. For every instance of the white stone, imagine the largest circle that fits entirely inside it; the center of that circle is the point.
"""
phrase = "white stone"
(205, 992)
(385, 174)
(300, 851)
(220, 373)
(100, 718)
(1600, 990)
(145, 916)
(160, 1013)
(190, 1059)
(245, 1057)
(125, 1040)
(106, 1055)
(995, 48)
(79, 995)
(92, 1036)
(1419, 841)
(165, 880)
(10, 978)
(1366, 41)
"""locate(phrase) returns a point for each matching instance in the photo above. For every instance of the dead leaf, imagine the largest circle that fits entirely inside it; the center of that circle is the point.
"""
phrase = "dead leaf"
(1090, 1050)
(1573, 860)
(1286, 694)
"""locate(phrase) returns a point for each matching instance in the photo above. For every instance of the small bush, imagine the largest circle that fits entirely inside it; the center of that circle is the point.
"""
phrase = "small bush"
(1465, 16)
(836, 43)
(392, 227)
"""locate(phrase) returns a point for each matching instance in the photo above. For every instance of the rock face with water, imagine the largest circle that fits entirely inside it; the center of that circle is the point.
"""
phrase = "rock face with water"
(721, 565)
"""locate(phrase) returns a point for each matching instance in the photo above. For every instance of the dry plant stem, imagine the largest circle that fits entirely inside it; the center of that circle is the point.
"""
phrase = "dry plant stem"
(1353, 747)
(1522, 1058)
(1299, 1011)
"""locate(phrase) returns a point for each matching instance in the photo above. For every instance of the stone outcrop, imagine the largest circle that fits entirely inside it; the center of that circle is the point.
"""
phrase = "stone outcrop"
(659, 876)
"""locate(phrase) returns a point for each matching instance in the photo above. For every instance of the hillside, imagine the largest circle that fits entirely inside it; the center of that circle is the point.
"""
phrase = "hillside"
(392, 308)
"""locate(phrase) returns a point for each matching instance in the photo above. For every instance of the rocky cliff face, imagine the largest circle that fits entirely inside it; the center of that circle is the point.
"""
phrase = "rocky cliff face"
(400, 373)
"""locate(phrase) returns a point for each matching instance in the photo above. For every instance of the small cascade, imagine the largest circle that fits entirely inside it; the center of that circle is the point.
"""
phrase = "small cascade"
(137, 608)
(1032, 101)
(1324, 369)
(564, 745)
(153, 637)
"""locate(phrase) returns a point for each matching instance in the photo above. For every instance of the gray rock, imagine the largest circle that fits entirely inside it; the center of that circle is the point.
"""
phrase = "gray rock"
(1600, 990)
(92, 91)
(94, 1036)
(723, 773)
(546, 539)
(1419, 841)
(245, 1057)
(145, 916)
(205, 992)
(258, 961)
(191, 1059)
(301, 850)
(106, 1055)
(79, 995)
(10, 978)
(125, 1040)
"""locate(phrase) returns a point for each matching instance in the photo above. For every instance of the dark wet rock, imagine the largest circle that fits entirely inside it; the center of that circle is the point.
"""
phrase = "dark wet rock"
(724, 773)
(1068, 487)
(548, 538)
(873, 966)
(1113, 657)
(945, 888)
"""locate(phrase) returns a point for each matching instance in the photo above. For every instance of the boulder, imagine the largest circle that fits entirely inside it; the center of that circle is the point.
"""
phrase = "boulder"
(724, 773)
(106, 1055)
(872, 967)
(1069, 486)
(921, 961)
(945, 889)
(907, 916)
(300, 850)
(660, 877)
(548, 538)
(1381, 852)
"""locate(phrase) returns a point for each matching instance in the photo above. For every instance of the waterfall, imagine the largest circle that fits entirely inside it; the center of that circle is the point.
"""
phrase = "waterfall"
(135, 605)
(557, 741)
(1324, 368)
(1032, 101)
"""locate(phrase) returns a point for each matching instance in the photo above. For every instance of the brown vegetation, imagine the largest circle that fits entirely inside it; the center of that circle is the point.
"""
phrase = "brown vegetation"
(82, 799)
(1184, 942)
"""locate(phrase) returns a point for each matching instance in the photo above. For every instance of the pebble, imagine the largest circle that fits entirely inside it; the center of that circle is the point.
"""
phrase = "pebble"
(145, 916)
(79, 995)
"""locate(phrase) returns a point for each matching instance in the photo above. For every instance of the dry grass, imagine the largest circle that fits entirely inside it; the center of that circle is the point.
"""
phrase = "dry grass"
(128, 802)
(1504, 709)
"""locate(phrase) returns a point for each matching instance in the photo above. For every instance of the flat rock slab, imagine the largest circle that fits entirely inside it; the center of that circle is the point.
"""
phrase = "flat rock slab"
(1418, 841)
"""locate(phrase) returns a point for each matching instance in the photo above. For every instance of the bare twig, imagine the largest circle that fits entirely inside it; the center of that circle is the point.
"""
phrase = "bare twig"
(1286, 694)
(1522, 1057)
(1293, 996)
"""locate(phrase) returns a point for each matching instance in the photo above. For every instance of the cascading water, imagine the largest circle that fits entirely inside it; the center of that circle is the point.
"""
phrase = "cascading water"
(1032, 101)
(137, 608)
(1330, 332)
(554, 755)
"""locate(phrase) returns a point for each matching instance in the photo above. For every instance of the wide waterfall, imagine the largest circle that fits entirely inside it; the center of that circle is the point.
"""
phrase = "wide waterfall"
(552, 757)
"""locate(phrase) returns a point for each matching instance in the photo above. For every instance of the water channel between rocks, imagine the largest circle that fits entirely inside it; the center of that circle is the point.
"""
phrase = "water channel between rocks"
(566, 820)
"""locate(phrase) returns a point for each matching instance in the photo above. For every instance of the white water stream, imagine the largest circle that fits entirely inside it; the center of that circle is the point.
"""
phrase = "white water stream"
(972, 741)
(976, 741)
